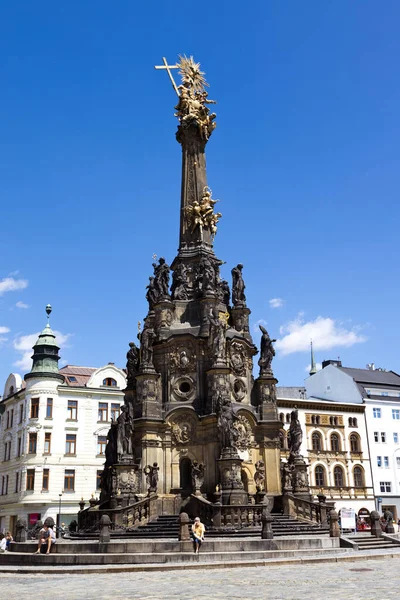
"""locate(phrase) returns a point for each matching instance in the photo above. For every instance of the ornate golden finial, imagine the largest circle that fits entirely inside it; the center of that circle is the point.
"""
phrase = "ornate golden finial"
(224, 318)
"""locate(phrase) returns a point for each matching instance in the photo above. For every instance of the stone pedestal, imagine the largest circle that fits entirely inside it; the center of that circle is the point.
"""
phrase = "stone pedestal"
(164, 312)
(232, 489)
(126, 482)
(266, 397)
(300, 483)
(148, 403)
(240, 319)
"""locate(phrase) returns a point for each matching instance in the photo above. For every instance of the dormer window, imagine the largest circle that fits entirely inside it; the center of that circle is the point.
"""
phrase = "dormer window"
(72, 379)
(109, 382)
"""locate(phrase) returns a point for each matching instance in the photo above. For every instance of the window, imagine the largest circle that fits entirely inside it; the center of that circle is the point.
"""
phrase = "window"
(110, 382)
(30, 480)
(19, 445)
(49, 408)
(103, 411)
(7, 450)
(70, 444)
(12, 417)
(383, 437)
(35, 408)
(379, 461)
(45, 482)
(338, 476)
(32, 443)
(16, 481)
(69, 480)
(396, 414)
(101, 444)
(386, 462)
(398, 461)
(316, 441)
(385, 486)
(315, 419)
(6, 486)
(335, 442)
(376, 436)
(115, 412)
(72, 379)
(358, 477)
(21, 413)
(47, 443)
(98, 479)
(354, 443)
(319, 476)
(72, 410)
(8, 419)
(396, 438)
(333, 421)
(376, 413)
(287, 417)
(281, 417)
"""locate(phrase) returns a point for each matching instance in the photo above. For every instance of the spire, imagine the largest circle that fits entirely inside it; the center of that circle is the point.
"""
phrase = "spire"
(313, 369)
(45, 354)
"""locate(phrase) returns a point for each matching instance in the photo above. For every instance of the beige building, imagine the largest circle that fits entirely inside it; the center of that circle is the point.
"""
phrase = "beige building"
(335, 444)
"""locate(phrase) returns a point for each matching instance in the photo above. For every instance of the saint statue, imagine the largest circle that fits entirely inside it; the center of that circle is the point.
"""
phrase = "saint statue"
(238, 287)
(132, 364)
(217, 337)
(267, 353)
(295, 436)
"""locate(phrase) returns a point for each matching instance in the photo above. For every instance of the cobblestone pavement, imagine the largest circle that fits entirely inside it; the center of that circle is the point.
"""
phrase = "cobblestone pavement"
(367, 580)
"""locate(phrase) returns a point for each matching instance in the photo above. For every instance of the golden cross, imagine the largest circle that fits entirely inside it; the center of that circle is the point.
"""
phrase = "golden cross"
(168, 69)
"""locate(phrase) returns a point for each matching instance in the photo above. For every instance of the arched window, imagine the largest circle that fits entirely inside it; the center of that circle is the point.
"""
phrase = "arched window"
(318, 420)
(355, 424)
(355, 443)
(287, 417)
(358, 473)
(282, 417)
(333, 421)
(315, 419)
(109, 382)
(350, 421)
(316, 441)
(335, 442)
(320, 476)
(338, 476)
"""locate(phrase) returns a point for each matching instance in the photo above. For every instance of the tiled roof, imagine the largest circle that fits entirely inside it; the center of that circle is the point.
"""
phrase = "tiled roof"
(295, 392)
(77, 376)
(366, 376)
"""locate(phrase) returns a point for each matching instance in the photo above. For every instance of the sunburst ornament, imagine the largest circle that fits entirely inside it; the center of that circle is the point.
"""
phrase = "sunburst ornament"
(191, 75)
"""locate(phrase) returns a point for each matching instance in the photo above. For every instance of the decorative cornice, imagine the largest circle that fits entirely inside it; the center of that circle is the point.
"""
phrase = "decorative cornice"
(319, 405)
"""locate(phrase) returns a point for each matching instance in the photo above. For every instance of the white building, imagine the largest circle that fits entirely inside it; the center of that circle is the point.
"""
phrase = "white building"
(379, 391)
(335, 445)
(53, 429)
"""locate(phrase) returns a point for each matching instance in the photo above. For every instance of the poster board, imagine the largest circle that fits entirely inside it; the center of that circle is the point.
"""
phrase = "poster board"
(347, 518)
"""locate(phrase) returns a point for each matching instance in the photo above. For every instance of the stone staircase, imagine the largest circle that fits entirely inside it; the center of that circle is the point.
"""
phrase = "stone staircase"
(167, 526)
(370, 542)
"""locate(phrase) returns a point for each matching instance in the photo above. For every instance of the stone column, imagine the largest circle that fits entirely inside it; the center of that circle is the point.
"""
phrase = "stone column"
(232, 487)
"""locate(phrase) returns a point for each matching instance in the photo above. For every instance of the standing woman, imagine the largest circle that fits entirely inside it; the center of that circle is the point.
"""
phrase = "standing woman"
(198, 531)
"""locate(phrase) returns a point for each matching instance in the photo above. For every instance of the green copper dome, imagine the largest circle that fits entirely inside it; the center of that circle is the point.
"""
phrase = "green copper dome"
(45, 354)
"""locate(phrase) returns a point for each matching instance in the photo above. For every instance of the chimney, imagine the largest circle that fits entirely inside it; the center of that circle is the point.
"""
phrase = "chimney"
(335, 363)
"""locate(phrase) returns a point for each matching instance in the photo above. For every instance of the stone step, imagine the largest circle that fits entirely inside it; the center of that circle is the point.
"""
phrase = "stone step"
(16, 558)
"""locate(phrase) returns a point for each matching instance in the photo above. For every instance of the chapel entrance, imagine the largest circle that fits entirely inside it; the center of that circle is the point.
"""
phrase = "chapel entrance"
(185, 472)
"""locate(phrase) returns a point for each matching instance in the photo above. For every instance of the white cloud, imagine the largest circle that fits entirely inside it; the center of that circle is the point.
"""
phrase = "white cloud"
(276, 302)
(325, 333)
(21, 304)
(317, 365)
(256, 328)
(24, 343)
(4, 330)
(9, 284)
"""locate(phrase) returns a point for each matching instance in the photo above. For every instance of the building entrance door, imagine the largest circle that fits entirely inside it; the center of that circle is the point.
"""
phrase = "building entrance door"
(185, 471)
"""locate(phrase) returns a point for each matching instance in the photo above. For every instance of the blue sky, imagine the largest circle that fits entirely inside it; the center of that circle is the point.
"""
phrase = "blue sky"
(304, 159)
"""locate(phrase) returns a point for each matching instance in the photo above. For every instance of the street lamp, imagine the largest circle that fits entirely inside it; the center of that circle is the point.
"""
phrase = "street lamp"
(58, 533)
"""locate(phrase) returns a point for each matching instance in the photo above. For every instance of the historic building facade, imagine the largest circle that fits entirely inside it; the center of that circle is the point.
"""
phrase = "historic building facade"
(378, 391)
(53, 433)
(335, 443)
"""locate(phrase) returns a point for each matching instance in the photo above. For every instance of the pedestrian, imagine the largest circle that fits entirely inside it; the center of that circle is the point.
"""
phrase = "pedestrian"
(47, 538)
(3, 543)
(9, 539)
(198, 531)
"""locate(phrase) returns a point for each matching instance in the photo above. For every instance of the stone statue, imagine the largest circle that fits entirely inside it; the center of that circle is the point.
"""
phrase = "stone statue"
(267, 353)
(132, 364)
(179, 282)
(225, 421)
(151, 473)
(259, 476)
(238, 287)
(287, 475)
(197, 475)
(161, 279)
(295, 436)
(201, 214)
(208, 276)
(224, 293)
(151, 295)
(124, 432)
(146, 342)
(111, 447)
(217, 337)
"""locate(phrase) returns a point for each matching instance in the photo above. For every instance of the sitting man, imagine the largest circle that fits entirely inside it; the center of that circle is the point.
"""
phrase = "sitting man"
(47, 538)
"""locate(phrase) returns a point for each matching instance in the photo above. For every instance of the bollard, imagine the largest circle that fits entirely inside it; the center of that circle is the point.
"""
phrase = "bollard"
(184, 534)
(266, 530)
(376, 528)
(334, 529)
(105, 523)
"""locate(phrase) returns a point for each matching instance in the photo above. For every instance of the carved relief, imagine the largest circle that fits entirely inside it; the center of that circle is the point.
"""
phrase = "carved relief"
(182, 358)
(128, 481)
(239, 390)
(243, 428)
(183, 429)
(184, 387)
(237, 358)
(147, 389)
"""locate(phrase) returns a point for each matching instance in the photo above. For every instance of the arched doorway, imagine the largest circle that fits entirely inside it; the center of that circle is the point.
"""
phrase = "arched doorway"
(185, 475)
